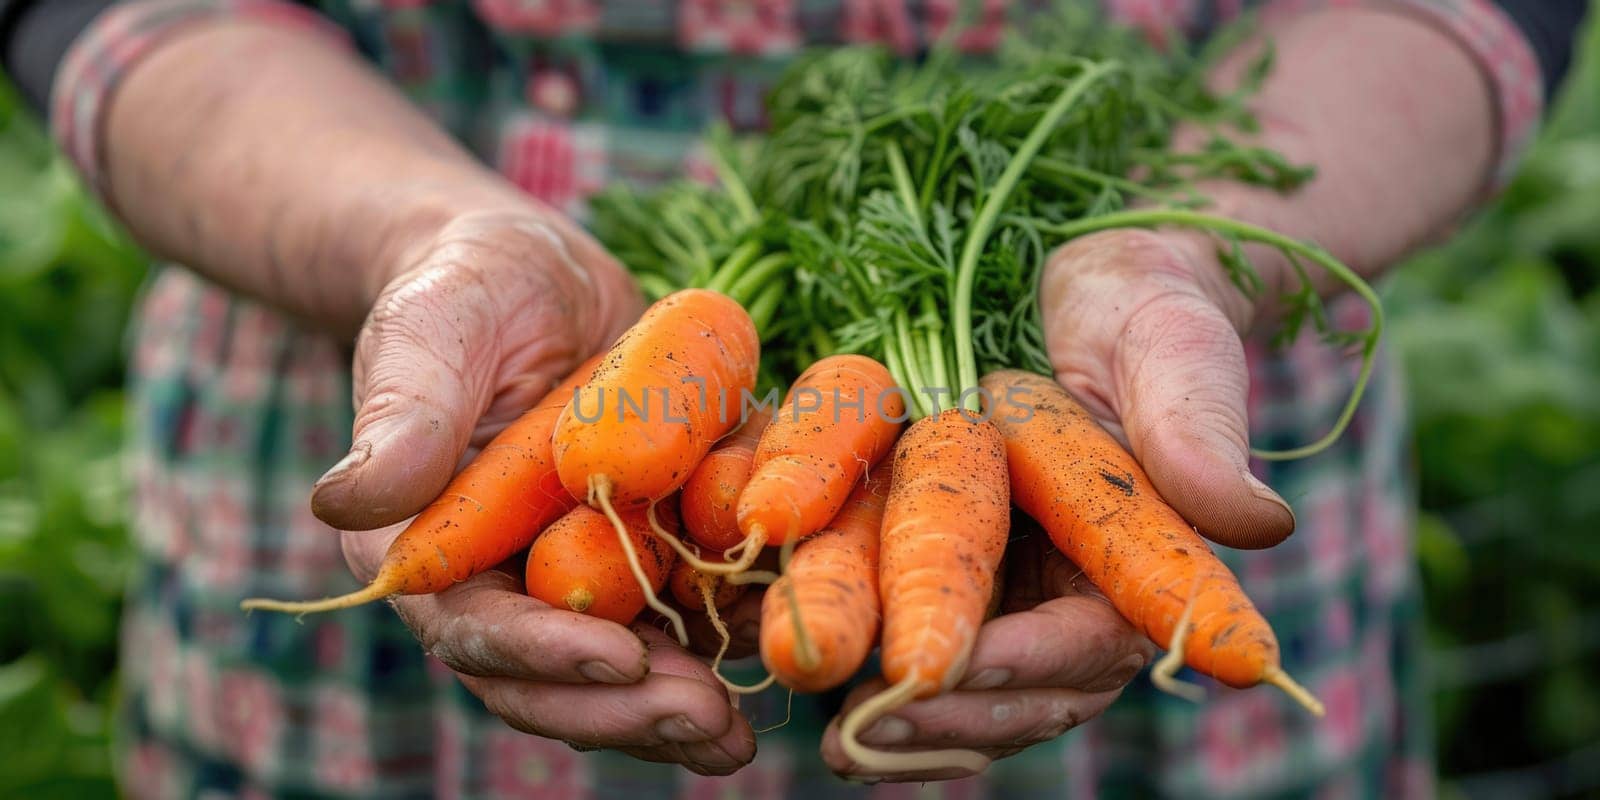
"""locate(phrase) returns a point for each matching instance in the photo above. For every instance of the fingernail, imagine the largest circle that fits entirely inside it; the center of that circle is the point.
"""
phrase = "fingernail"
(1120, 675)
(991, 678)
(889, 730)
(358, 455)
(1265, 492)
(601, 672)
(712, 756)
(680, 729)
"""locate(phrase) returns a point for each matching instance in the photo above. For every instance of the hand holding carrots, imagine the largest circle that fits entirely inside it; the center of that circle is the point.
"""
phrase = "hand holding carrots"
(532, 664)
(487, 316)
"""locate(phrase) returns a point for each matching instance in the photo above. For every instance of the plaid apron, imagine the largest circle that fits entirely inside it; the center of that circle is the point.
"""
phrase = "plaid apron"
(236, 411)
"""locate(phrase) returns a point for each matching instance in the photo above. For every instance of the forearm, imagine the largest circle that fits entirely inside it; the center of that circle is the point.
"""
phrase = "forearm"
(1399, 121)
(278, 165)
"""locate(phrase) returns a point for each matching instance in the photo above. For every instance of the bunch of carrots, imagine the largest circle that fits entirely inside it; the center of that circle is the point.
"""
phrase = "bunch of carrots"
(898, 216)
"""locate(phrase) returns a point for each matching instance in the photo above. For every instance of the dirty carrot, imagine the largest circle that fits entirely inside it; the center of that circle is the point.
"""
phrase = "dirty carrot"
(840, 419)
(711, 495)
(944, 534)
(669, 388)
(490, 510)
(666, 391)
(1099, 508)
(581, 565)
(833, 579)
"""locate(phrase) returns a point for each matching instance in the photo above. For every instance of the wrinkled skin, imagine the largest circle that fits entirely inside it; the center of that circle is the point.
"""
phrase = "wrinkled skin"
(484, 319)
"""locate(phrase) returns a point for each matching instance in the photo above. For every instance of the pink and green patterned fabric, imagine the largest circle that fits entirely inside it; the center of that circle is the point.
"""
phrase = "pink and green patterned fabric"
(237, 410)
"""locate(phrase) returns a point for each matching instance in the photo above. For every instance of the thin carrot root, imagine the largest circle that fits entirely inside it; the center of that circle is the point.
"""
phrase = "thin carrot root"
(880, 761)
(377, 590)
(600, 493)
(788, 714)
(1162, 674)
(752, 576)
(1277, 677)
(722, 630)
(805, 656)
(749, 550)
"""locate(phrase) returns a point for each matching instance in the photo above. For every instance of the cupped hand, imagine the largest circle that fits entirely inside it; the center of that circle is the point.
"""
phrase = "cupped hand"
(1143, 328)
(532, 665)
(1057, 657)
(477, 323)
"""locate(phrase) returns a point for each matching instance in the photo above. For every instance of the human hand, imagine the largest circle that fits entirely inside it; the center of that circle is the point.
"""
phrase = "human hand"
(532, 664)
(1057, 657)
(475, 324)
(1143, 328)
(469, 329)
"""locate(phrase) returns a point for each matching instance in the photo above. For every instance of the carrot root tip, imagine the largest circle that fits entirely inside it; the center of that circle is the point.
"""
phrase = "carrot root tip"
(377, 590)
(709, 595)
(579, 599)
(788, 714)
(1277, 677)
(879, 761)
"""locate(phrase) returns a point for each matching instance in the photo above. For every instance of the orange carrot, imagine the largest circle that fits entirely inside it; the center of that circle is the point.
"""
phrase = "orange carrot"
(669, 388)
(490, 510)
(711, 495)
(839, 420)
(944, 534)
(665, 392)
(581, 565)
(833, 576)
(1099, 508)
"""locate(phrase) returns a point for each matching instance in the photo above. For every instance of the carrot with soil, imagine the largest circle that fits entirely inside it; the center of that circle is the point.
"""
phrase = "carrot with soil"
(820, 620)
(669, 388)
(1099, 508)
(490, 510)
(944, 532)
(581, 565)
(841, 418)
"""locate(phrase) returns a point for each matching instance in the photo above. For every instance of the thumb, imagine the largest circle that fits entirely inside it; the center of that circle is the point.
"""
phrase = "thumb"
(1181, 401)
(1134, 336)
(423, 367)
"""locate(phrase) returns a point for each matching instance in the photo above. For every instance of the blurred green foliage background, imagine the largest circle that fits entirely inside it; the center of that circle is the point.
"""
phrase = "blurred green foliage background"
(1500, 333)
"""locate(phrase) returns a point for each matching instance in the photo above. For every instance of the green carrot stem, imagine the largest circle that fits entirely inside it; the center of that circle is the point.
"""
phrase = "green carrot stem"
(763, 308)
(897, 368)
(902, 182)
(729, 178)
(755, 277)
(655, 287)
(723, 275)
(908, 353)
(983, 224)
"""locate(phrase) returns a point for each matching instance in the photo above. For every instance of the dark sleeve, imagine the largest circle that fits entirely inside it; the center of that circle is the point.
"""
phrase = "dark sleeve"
(1552, 28)
(35, 34)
